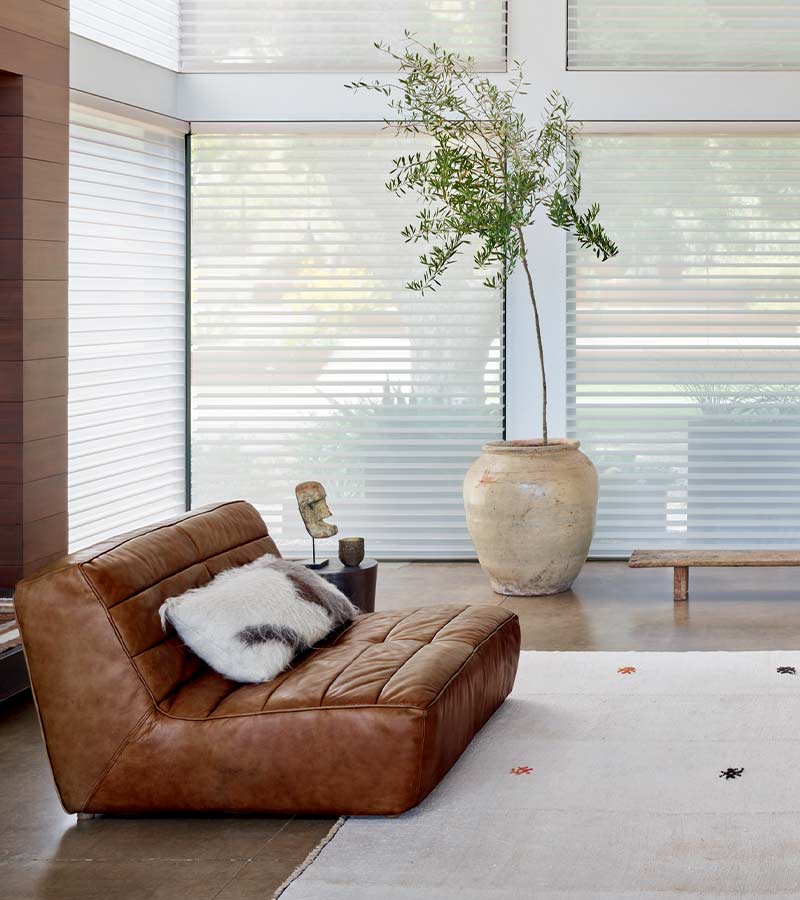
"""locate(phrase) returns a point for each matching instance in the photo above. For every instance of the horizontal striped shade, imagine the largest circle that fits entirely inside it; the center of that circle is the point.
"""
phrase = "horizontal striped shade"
(148, 29)
(684, 352)
(334, 35)
(126, 325)
(310, 359)
(684, 34)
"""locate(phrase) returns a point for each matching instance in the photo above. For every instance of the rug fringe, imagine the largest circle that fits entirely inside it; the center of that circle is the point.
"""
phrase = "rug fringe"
(310, 858)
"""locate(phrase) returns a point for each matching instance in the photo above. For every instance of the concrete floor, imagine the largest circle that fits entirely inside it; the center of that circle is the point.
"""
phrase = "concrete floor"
(44, 853)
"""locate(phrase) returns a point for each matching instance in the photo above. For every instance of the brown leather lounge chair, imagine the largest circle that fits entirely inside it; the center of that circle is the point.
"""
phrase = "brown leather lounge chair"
(369, 722)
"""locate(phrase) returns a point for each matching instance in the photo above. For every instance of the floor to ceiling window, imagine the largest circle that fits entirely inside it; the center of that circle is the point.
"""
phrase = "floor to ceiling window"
(126, 323)
(673, 363)
(311, 360)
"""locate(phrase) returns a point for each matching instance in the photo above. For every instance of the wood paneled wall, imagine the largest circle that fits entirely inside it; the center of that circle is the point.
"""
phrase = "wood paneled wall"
(34, 146)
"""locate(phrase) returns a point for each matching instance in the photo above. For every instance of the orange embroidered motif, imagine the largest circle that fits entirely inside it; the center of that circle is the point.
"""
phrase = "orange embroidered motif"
(626, 670)
(522, 770)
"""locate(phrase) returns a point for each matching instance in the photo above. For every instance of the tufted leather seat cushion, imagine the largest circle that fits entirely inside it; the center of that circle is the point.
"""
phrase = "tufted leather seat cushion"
(399, 658)
(369, 722)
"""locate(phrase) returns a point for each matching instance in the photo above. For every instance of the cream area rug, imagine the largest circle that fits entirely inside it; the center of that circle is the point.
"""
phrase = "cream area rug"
(604, 775)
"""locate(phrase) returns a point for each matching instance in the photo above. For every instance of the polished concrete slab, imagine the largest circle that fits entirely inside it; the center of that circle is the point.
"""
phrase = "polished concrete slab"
(46, 855)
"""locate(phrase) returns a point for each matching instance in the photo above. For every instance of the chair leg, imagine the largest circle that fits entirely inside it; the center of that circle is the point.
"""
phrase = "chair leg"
(681, 585)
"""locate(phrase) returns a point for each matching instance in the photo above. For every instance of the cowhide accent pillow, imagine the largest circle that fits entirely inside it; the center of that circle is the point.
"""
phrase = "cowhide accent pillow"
(250, 622)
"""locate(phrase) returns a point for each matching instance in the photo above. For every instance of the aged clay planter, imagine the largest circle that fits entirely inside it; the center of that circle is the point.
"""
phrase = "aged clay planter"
(531, 511)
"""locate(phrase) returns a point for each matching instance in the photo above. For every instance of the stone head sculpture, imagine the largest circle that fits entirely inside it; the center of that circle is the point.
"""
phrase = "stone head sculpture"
(314, 509)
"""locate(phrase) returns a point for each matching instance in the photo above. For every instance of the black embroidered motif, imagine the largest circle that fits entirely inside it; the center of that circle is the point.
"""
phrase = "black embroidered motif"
(786, 670)
(727, 774)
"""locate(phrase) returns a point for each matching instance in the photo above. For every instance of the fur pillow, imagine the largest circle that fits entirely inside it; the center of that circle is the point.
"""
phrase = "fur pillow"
(249, 622)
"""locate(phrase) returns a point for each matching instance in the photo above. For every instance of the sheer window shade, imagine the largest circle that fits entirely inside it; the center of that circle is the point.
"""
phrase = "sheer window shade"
(684, 34)
(684, 352)
(148, 29)
(337, 35)
(126, 325)
(310, 359)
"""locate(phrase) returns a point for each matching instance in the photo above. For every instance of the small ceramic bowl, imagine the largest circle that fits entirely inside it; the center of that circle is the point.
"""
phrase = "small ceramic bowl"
(351, 551)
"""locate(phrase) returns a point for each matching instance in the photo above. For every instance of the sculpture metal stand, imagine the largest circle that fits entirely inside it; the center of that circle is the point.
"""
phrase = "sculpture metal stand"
(314, 564)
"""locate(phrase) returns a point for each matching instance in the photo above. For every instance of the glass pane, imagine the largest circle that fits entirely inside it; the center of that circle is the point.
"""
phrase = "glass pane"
(684, 351)
(336, 35)
(684, 34)
(312, 361)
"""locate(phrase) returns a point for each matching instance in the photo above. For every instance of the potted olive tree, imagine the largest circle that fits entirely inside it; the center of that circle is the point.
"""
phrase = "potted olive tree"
(483, 176)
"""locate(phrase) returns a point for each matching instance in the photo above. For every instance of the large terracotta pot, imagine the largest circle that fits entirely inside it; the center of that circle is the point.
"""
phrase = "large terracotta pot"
(531, 511)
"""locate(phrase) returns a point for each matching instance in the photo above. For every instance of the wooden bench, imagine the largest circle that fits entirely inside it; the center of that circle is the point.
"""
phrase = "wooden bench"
(682, 560)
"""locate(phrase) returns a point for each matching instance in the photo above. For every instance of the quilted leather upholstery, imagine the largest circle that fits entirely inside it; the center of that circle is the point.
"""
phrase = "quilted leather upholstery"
(134, 577)
(369, 722)
(399, 658)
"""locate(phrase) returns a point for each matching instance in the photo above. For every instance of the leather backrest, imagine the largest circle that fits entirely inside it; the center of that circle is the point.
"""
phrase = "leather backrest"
(97, 655)
(133, 578)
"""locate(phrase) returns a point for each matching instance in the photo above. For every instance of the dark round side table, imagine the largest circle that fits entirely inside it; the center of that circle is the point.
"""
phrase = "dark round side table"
(357, 583)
